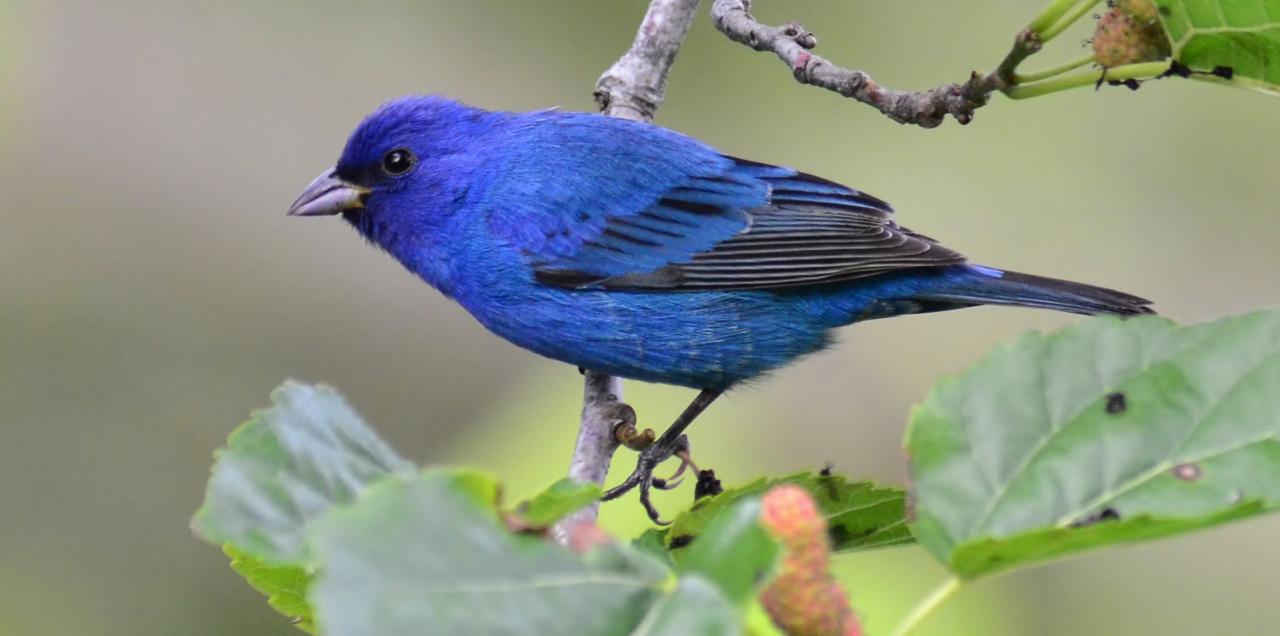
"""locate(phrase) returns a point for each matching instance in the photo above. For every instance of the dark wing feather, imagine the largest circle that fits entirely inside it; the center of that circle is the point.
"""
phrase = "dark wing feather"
(685, 221)
(810, 231)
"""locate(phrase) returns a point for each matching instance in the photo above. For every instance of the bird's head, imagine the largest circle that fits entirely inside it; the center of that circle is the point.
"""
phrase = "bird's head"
(398, 166)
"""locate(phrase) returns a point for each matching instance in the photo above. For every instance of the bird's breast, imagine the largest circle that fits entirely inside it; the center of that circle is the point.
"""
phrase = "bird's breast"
(692, 339)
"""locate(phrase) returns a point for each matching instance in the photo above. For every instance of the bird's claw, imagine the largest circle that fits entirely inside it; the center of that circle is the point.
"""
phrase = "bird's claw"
(665, 484)
(686, 462)
(642, 476)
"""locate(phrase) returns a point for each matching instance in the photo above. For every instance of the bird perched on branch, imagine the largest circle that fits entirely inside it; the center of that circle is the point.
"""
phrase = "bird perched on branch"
(632, 250)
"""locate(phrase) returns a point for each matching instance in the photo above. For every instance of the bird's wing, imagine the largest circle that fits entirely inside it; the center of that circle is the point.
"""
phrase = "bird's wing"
(605, 197)
(660, 211)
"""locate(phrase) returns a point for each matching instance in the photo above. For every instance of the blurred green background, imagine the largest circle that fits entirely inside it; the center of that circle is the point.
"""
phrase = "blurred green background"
(153, 291)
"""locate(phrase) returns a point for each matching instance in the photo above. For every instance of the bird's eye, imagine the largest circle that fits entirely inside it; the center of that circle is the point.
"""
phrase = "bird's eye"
(397, 161)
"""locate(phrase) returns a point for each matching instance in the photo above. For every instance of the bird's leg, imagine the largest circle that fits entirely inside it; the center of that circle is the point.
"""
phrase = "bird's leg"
(672, 443)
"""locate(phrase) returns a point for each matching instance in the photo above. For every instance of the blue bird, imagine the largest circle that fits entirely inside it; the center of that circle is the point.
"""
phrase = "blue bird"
(632, 250)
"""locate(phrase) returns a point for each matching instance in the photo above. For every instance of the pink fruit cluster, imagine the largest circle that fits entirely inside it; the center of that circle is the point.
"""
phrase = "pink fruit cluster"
(804, 599)
(1129, 33)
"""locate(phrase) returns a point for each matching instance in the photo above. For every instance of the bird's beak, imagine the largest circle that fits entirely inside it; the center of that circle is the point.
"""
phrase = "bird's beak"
(328, 195)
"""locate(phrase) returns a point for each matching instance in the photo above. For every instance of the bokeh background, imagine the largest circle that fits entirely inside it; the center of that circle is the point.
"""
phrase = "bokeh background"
(152, 291)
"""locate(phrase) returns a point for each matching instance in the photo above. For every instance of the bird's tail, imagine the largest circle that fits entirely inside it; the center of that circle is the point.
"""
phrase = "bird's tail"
(996, 287)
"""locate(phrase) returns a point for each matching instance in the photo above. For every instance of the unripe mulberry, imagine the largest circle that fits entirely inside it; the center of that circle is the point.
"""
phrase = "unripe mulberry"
(1123, 39)
(1143, 11)
(804, 599)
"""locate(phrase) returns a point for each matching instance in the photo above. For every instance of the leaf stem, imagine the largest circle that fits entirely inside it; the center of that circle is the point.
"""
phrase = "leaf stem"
(1069, 18)
(1023, 78)
(1049, 16)
(1145, 70)
(935, 599)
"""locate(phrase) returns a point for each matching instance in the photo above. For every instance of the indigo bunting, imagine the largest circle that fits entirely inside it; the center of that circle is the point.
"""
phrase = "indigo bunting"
(632, 250)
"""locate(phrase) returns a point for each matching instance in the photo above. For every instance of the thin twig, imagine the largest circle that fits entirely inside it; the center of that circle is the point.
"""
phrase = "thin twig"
(792, 44)
(633, 88)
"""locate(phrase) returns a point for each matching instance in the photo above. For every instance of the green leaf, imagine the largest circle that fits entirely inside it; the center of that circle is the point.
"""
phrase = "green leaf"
(416, 556)
(735, 552)
(285, 586)
(860, 515)
(653, 541)
(286, 466)
(340, 533)
(983, 556)
(557, 501)
(1106, 432)
(1243, 35)
(695, 607)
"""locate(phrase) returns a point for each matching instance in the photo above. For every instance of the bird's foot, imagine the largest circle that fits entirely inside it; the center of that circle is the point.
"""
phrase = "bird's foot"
(652, 455)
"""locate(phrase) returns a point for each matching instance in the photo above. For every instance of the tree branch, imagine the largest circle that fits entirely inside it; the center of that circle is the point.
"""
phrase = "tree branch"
(633, 88)
(927, 109)
(601, 404)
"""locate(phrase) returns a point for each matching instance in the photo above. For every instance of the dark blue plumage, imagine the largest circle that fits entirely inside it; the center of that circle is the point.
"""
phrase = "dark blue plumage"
(633, 250)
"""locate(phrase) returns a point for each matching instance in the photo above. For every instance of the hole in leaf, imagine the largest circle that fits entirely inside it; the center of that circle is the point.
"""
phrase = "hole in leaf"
(1116, 403)
(839, 534)
(680, 541)
(1106, 514)
(1179, 69)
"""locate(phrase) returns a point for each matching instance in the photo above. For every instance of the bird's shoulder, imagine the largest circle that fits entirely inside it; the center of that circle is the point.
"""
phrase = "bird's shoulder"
(553, 180)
